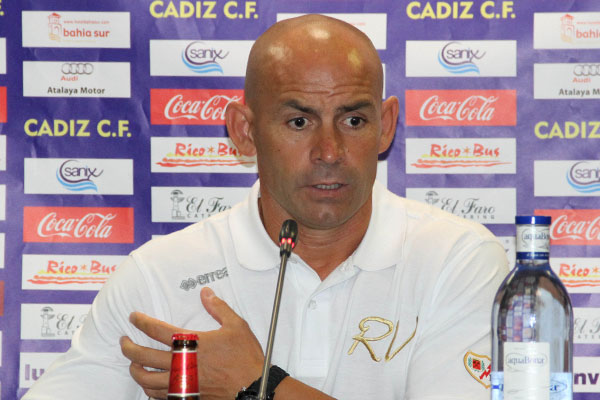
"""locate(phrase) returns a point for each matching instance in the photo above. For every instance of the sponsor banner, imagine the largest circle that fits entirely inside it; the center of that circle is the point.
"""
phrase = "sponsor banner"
(32, 366)
(566, 178)
(78, 224)
(78, 176)
(3, 105)
(461, 107)
(67, 272)
(76, 79)
(578, 274)
(509, 244)
(484, 205)
(2, 249)
(208, 155)
(577, 30)
(465, 58)
(76, 29)
(199, 57)
(191, 106)
(586, 325)
(2, 152)
(586, 375)
(573, 227)
(461, 156)
(2, 56)
(2, 202)
(371, 24)
(191, 204)
(566, 81)
(51, 321)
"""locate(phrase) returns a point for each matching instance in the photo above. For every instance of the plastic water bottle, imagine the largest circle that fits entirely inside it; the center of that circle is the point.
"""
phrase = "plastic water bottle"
(532, 323)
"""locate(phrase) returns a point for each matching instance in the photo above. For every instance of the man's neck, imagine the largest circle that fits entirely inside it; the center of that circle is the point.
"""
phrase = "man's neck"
(323, 250)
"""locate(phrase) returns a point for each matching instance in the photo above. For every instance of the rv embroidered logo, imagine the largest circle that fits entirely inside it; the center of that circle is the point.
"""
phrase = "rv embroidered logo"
(478, 367)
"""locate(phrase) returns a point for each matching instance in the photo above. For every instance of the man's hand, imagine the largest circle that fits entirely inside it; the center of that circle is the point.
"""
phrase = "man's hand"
(228, 358)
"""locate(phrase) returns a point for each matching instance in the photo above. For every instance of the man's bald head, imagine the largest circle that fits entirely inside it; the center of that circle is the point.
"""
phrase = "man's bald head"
(309, 40)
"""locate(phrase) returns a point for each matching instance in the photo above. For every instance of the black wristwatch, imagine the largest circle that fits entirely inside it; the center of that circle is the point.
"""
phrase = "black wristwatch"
(276, 375)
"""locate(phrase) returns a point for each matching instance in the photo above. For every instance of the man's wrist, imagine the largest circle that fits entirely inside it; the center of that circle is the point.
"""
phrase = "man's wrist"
(276, 375)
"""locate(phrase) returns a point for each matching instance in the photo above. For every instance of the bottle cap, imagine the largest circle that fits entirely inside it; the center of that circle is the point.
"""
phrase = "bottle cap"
(185, 336)
(533, 220)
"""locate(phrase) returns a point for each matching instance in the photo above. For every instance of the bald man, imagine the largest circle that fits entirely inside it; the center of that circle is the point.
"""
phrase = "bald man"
(384, 298)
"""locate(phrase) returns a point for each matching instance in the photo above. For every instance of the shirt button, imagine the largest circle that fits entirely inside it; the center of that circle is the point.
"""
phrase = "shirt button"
(312, 304)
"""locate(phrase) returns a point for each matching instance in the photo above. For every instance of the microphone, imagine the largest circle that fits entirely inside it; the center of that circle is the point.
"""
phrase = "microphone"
(287, 242)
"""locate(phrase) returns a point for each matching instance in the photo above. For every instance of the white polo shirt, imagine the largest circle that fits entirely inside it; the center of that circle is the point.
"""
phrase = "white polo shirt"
(407, 316)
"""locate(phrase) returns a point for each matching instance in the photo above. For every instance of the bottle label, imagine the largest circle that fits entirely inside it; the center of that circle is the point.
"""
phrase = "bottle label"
(184, 374)
(561, 386)
(526, 371)
(533, 242)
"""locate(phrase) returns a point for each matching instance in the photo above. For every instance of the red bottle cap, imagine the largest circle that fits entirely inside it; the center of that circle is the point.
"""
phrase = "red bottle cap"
(185, 336)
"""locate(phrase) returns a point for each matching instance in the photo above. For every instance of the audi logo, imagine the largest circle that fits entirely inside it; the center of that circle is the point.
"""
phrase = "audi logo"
(77, 68)
(587, 70)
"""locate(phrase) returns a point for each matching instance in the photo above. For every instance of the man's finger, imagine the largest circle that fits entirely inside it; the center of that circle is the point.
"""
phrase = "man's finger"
(149, 380)
(154, 328)
(145, 356)
(216, 307)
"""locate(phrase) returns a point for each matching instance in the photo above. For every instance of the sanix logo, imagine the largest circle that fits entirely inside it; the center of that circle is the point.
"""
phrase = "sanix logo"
(573, 227)
(461, 107)
(78, 224)
(191, 106)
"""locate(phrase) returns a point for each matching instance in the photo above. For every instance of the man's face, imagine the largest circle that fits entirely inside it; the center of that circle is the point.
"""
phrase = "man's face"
(317, 133)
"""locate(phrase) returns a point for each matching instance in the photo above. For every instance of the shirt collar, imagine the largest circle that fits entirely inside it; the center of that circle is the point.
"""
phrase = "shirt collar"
(380, 248)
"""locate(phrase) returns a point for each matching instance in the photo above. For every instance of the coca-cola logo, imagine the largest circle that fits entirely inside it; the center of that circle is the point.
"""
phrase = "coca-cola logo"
(574, 227)
(78, 224)
(472, 108)
(192, 106)
(90, 225)
(461, 107)
(212, 109)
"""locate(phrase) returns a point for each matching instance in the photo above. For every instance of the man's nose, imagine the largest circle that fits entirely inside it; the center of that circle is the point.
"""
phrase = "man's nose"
(329, 145)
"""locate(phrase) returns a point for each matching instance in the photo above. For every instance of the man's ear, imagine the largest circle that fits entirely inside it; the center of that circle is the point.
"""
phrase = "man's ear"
(389, 118)
(238, 118)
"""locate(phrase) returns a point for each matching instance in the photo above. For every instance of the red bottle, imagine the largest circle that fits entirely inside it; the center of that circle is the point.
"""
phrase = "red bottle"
(183, 383)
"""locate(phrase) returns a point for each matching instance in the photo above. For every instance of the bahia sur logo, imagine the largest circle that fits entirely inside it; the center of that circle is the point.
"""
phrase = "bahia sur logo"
(76, 177)
(584, 176)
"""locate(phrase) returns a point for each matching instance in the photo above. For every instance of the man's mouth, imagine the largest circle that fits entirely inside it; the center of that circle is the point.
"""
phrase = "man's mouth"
(329, 187)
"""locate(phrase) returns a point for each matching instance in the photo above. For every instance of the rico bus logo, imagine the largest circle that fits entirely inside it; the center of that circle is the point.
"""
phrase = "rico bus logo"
(78, 224)
(191, 106)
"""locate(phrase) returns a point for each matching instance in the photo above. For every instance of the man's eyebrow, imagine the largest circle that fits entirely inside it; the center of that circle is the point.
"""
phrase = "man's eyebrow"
(356, 106)
(294, 104)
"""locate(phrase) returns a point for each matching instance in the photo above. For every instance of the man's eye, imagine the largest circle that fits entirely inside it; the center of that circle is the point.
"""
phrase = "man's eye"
(298, 123)
(354, 122)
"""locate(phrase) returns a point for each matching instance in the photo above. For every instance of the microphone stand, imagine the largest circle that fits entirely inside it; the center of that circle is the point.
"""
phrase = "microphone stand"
(287, 239)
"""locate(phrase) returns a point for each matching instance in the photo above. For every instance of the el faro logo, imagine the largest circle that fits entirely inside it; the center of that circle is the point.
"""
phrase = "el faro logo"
(78, 224)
